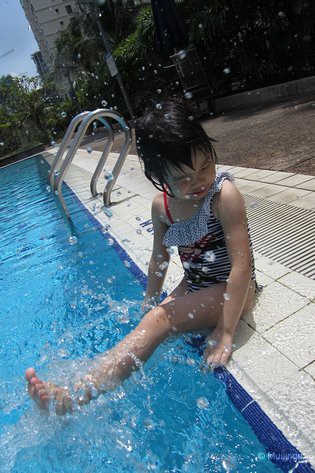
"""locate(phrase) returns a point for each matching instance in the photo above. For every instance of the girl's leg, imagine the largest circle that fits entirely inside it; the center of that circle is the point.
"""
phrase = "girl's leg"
(43, 392)
(180, 312)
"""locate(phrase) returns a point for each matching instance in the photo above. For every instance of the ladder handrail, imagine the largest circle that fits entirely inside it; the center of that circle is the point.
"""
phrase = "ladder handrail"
(103, 158)
(121, 158)
(98, 114)
(66, 140)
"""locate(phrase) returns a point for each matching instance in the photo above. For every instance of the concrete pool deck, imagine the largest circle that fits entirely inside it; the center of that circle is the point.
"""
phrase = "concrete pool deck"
(274, 358)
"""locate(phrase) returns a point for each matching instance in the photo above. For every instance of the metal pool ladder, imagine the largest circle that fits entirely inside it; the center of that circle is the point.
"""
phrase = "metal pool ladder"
(59, 167)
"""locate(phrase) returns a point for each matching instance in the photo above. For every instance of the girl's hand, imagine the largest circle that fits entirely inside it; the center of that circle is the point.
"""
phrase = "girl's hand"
(217, 351)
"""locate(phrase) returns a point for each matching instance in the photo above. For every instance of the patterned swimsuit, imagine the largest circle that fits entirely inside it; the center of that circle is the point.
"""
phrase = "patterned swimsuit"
(201, 244)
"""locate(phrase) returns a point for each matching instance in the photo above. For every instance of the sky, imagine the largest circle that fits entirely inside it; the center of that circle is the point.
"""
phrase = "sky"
(15, 34)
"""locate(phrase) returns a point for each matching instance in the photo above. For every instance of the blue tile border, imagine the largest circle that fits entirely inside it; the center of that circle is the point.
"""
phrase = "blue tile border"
(279, 450)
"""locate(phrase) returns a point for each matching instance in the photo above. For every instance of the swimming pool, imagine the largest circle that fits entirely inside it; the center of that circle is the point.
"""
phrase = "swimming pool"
(64, 300)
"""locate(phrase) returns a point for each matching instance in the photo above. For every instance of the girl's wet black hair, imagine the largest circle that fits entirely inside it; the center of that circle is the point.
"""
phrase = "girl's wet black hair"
(165, 136)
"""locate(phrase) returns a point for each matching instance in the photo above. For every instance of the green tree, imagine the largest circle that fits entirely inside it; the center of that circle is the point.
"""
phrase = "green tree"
(30, 111)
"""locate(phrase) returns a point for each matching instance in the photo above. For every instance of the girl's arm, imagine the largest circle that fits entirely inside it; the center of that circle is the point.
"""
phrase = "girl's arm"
(232, 214)
(160, 257)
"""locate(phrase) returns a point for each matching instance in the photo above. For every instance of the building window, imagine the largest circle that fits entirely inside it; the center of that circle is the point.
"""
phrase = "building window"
(69, 9)
(61, 23)
(57, 10)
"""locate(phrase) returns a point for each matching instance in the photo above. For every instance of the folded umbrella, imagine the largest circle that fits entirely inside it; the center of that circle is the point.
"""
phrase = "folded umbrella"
(170, 31)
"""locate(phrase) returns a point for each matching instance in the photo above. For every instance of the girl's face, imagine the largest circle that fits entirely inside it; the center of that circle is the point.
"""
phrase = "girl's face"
(192, 184)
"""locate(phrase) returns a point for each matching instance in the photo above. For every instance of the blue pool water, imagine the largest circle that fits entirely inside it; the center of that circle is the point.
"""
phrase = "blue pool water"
(60, 305)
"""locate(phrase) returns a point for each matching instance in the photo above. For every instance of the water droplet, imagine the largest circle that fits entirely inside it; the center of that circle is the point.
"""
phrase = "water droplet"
(188, 95)
(226, 296)
(108, 176)
(79, 56)
(159, 106)
(159, 91)
(186, 265)
(89, 149)
(2, 143)
(191, 362)
(170, 250)
(63, 114)
(212, 343)
(127, 264)
(229, 464)
(109, 280)
(227, 70)
(163, 265)
(190, 315)
(282, 15)
(104, 103)
(202, 402)
(105, 228)
(110, 241)
(209, 256)
(182, 54)
(159, 275)
(200, 25)
(48, 188)
(53, 143)
(72, 240)
(191, 117)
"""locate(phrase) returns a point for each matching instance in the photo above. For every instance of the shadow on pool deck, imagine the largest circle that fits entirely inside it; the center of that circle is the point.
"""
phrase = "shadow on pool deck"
(278, 137)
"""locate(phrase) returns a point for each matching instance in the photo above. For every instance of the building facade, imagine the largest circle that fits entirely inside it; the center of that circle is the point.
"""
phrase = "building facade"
(47, 18)
(41, 65)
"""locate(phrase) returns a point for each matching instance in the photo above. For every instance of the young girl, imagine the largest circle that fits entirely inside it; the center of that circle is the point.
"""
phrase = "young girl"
(203, 214)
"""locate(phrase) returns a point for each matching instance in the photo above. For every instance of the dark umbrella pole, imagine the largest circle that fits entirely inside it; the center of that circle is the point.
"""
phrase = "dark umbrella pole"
(172, 39)
(170, 30)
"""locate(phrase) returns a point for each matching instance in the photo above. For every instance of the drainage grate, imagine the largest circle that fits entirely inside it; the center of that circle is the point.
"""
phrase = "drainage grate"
(284, 233)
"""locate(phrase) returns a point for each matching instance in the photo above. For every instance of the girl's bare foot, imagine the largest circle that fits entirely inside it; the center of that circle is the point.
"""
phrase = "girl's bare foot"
(43, 393)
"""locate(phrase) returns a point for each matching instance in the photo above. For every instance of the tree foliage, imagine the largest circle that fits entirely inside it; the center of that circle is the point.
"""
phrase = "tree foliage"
(30, 113)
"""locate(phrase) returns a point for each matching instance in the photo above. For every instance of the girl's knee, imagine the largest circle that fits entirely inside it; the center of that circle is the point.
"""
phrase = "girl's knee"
(157, 320)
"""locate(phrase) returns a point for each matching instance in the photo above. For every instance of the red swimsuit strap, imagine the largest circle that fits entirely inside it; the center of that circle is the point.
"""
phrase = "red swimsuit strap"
(167, 210)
